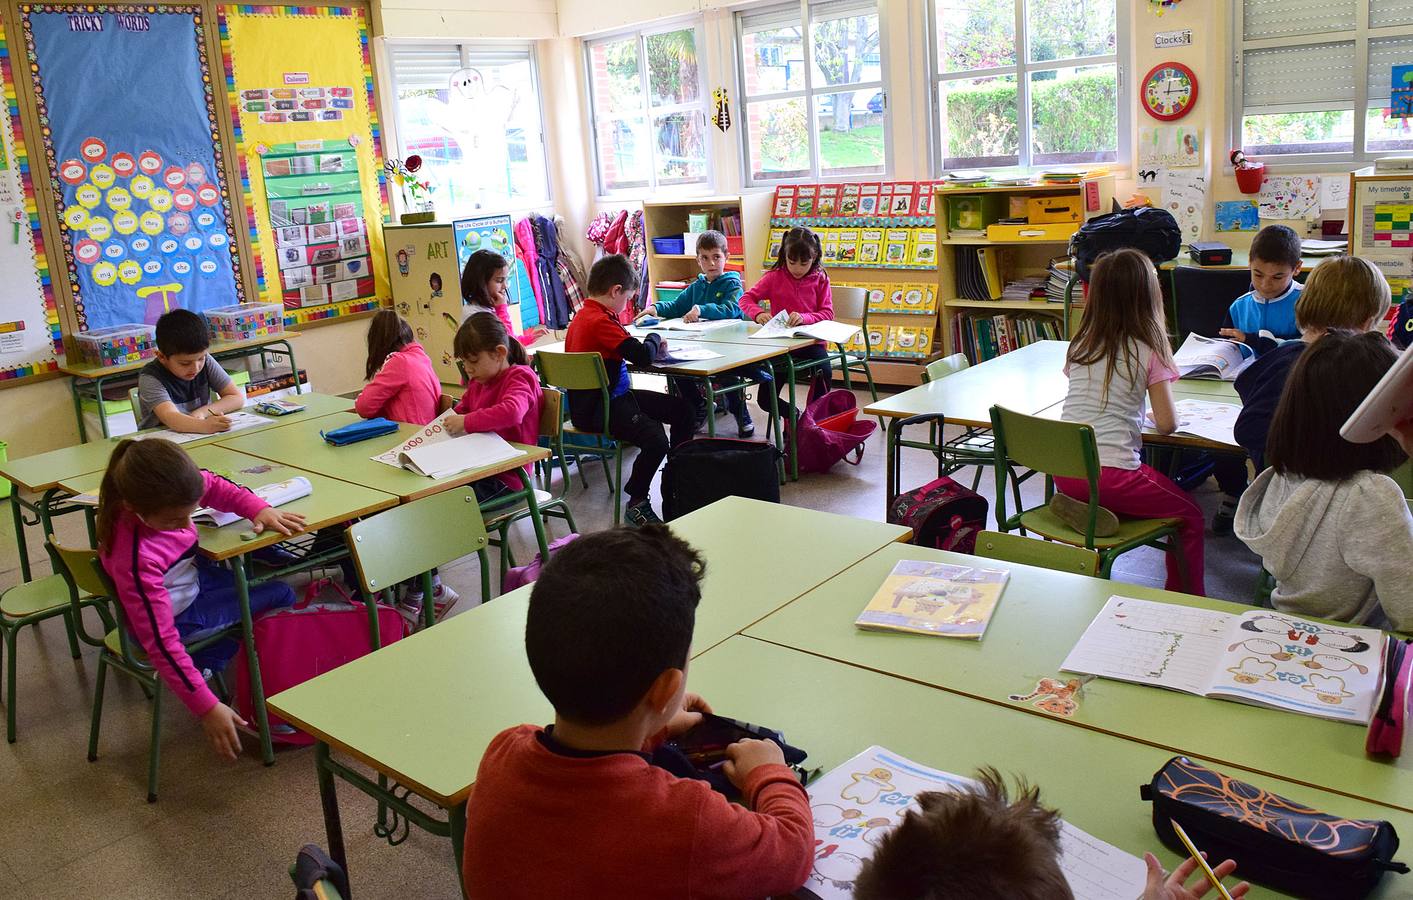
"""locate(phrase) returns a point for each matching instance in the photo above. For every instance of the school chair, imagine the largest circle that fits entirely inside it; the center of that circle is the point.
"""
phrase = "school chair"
(1035, 552)
(410, 541)
(136, 408)
(576, 448)
(852, 303)
(1202, 298)
(974, 446)
(585, 372)
(1066, 449)
(82, 568)
(30, 603)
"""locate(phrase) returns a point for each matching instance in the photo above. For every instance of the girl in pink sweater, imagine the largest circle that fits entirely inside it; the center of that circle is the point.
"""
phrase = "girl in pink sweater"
(798, 285)
(503, 395)
(485, 288)
(147, 545)
(402, 385)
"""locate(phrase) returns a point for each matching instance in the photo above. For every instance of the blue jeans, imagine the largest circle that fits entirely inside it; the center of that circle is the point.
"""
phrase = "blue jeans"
(217, 607)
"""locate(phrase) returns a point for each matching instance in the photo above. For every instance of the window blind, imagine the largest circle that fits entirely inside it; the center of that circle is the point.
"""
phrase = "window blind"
(422, 67)
(1383, 56)
(1383, 13)
(1280, 18)
(1291, 79)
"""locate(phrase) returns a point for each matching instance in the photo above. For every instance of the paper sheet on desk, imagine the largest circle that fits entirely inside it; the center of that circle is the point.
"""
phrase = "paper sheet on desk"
(685, 352)
(239, 420)
(1205, 419)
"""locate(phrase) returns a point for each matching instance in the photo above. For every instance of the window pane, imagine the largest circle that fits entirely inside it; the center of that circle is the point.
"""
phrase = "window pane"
(845, 49)
(617, 84)
(975, 34)
(980, 122)
(624, 160)
(672, 67)
(774, 60)
(779, 143)
(1329, 131)
(1075, 114)
(1062, 29)
(850, 127)
(681, 148)
(1382, 133)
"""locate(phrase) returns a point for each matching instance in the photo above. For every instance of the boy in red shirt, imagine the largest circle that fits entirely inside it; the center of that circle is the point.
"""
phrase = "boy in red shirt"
(635, 416)
(577, 808)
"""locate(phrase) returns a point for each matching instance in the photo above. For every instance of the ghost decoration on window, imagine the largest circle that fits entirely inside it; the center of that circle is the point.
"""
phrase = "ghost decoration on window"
(476, 117)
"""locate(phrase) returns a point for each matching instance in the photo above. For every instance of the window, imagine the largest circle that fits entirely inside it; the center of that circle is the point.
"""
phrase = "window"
(1300, 88)
(813, 108)
(473, 115)
(1028, 82)
(649, 109)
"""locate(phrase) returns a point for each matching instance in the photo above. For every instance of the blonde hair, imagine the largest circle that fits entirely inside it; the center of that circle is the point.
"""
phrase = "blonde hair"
(1124, 309)
(1343, 292)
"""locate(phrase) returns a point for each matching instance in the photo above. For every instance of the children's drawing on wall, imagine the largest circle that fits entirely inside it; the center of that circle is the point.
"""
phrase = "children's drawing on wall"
(1178, 146)
(1290, 197)
(1401, 93)
(1237, 215)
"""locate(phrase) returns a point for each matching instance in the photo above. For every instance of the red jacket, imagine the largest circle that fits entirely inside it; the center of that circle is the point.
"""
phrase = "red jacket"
(406, 389)
(809, 296)
(509, 405)
(543, 822)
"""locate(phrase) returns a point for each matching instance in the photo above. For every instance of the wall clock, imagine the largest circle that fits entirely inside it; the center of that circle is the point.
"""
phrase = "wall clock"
(1168, 91)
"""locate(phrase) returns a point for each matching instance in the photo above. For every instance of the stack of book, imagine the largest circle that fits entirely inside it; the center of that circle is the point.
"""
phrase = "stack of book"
(1031, 287)
(982, 337)
(979, 273)
(1060, 272)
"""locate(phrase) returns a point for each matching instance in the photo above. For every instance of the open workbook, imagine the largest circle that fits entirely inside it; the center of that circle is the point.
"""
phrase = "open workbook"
(276, 493)
(828, 330)
(701, 325)
(1205, 419)
(1261, 657)
(435, 453)
(1213, 358)
(935, 598)
(858, 803)
(240, 419)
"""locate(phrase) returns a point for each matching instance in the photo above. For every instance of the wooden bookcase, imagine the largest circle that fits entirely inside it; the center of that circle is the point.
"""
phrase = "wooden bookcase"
(661, 219)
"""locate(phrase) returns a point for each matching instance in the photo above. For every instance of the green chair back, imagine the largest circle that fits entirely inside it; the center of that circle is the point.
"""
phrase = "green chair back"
(84, 569)
(941, 368)
(136, 407)
(1035, 552)
(573, 371)
(1066, 449)
(415, 538)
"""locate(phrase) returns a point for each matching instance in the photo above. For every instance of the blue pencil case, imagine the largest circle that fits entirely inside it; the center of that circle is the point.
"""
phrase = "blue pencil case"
(354, 432)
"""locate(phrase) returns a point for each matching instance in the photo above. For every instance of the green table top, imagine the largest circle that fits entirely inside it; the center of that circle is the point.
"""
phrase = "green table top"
(1025, 380)
(1206, 389)
(1038, 620)
(217, 348)
(45, 470)
(738, 332)
(301, 446)
(835, 712)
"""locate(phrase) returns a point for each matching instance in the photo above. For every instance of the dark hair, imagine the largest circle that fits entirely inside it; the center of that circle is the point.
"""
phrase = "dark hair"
(182, 331)
(597, 640)
(611, 272)
(970, 844)
(1329, 381)
(711, 240)
(1276, 244)
(801, 245)
(477, 274)
(146, 477)
(482, 333)
(1124, 308)
(387, 333)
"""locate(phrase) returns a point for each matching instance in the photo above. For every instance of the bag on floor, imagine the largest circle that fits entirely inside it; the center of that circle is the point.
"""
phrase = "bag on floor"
(702, 471)
(943, 515)
(295, 645)
(830, 430)
(1147, 229)
(519, 576)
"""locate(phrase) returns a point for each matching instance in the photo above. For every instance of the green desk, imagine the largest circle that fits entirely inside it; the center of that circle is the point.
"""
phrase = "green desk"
(1183, 389)
(1239, 260)
(1040, 617)
(834, 712)
(730, 356)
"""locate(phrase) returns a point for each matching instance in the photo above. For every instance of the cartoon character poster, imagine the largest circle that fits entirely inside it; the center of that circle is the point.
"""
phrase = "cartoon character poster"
(496, 233)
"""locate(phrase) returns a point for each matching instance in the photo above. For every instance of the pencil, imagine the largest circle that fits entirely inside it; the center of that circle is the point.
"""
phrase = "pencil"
(1197, 856)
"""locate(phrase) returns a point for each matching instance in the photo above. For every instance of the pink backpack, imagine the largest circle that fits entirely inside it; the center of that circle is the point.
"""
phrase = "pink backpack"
(830, 430)
(522, 575)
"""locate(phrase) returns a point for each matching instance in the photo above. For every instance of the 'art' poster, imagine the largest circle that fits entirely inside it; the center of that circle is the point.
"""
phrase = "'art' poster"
(134, 149)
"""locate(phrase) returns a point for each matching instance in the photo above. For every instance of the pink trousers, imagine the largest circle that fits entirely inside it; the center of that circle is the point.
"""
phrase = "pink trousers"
(1145, 493)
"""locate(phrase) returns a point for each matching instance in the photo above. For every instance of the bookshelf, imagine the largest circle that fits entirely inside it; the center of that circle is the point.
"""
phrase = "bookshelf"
(661, 219)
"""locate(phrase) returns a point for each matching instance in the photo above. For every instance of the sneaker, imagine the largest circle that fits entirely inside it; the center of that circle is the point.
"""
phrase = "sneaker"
(1075, 513)
(640, 514)
(443, 598)
(1223, 520)
(744, 426)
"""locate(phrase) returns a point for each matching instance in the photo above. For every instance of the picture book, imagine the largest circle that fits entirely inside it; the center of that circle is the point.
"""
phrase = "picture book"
(435, 453)
(828, 330)
(805, 199)
(856, 804)
(276, 494)
(868, 198)
(926, 198)
(1211, 358)
(848, 245)
(885, 199)
(878, 298)
(914, 299)
(828, 244)
(772, 247)
(896, 297)
(870, 245)
(895, 251)
(904, 194)
(828, 202)
(1205, 419)
(878, 338)
(1261, 657)
(924, 249)
(934, 598)
(278, 407)
(784, 201)
(849, 200)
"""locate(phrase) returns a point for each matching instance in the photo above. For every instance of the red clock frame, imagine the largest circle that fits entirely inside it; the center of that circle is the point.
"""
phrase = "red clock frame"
(1143, 91)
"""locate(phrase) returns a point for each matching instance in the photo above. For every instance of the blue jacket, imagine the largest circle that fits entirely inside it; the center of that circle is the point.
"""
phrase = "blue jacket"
(718, 299)
(1260, 386)
(1253, 315)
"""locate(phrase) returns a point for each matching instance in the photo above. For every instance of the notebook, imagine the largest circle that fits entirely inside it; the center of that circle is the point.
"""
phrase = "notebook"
(683, 351)
(1205, 419)
(239, 420)
(699, 325)
(1211, 358)
(935, 598)
(1261, 657)
(828, 330)
(435, 453)
(276, 494)
(855, 805)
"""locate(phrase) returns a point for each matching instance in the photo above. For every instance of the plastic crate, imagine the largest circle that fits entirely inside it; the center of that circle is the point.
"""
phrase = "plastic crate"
(245, 320)
(116, 345)
(672, 244)
(666, 294)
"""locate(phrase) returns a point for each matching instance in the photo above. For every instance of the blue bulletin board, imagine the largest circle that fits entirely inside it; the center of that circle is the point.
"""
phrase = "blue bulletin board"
(132, 147)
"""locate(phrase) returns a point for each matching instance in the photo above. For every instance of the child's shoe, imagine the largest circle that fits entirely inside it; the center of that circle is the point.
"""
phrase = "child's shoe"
(443, 598)
(1075, 513)
(640, 514)
(744, 426)
(1225, 517)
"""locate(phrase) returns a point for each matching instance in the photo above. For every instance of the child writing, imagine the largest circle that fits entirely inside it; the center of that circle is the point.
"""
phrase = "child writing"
(174, 390)
(797, 285)
(1119, 355)
(402, 385)
(485, 288)
(1328, 522)
(713, 295)
(579, 802)
(147, 544)
(635, 416)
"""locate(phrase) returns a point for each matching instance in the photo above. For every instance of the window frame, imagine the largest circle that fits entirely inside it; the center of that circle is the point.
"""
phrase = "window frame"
(648, 111)
(471, 54)
(810, 93)
(1022, 70)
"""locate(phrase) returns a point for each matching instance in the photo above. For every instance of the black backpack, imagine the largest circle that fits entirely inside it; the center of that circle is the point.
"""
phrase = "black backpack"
(702, 471)
(1146, 229)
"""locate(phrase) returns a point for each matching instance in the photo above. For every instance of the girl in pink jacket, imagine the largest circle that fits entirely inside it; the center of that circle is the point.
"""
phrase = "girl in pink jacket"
(402, 385)
(485, 288)
(147, 545)
(798, 285)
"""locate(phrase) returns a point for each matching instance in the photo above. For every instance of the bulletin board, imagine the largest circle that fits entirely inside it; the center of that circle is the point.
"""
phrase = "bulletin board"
(299, 82)
(29, 321)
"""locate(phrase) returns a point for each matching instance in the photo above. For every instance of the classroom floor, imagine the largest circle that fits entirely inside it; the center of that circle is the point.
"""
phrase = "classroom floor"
(73, 828)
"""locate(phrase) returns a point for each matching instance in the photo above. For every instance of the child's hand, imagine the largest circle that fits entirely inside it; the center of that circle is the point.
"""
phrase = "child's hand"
(455, 426)
(687, 718)
(215, 424)
(649, 312)
(762, 318)
(1234, 334)
(692, 314)
(743, 756)
(220, 723)
(286, 523)
(794, 319)
(1162, 886)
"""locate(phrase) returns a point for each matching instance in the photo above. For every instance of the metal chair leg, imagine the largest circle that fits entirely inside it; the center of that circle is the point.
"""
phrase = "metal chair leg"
(73, 634)
(97, 719)
(154, 753)
(10, 634)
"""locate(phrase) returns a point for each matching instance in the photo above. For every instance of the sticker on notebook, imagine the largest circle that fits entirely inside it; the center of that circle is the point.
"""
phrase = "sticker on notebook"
(1051, 695)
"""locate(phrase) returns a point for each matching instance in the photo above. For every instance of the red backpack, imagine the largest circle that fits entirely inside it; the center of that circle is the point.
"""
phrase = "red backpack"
(830, 430)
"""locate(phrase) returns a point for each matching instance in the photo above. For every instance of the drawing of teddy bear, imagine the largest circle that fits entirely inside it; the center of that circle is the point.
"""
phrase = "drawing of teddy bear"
(866, 786)
(1329, 688)
(1251, 670)
(1262, 647)
(827, 815)
(1333, 663)
(1056, 697)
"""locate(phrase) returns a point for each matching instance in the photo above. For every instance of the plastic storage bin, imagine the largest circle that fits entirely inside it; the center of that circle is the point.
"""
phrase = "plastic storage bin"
(116, 345)
(670, 244)
(666, 294)
(244, 321)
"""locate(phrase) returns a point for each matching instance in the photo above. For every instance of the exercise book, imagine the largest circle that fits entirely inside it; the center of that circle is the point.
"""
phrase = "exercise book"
(433, 451)
(277, 493)
(239, 420)
(935, 598)
(1205, 419)
(698, 326)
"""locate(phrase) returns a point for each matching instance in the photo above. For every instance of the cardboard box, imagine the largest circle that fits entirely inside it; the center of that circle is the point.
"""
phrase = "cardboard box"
(1048, 210)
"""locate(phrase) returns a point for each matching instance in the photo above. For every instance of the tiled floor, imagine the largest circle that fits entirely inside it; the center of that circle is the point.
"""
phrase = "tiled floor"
(73, 828)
